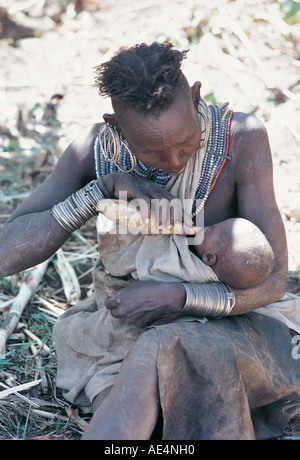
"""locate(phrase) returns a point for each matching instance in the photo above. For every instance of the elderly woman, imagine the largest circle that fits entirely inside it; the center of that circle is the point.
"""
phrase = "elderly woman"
(221, 370)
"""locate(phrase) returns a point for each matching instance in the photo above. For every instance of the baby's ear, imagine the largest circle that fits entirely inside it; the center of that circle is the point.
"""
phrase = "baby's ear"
(209, 259)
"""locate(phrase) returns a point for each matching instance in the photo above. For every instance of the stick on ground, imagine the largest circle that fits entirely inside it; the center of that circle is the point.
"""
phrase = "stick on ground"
(27, 289)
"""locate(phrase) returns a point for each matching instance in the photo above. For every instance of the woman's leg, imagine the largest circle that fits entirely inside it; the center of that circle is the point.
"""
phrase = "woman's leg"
(130, 409)
(231, 379)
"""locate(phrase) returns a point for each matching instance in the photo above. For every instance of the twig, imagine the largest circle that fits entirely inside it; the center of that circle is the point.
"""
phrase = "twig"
(5, 297)
(56, 310)
(17, 196)
(80, 237)
(75, 258)
(6, 304)
(83, 253)
(43, 413)
(50, 315)
(74, 418)
(42, 374)
(86, 273)
(37, 340)
(18, 388)
(68, 277)
(21, 396)
(27, 288)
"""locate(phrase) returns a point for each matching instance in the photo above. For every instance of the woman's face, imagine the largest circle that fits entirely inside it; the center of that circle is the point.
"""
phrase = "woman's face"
(166, 141)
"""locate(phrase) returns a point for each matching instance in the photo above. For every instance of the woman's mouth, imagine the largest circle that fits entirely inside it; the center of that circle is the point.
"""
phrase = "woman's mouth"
(176, 173)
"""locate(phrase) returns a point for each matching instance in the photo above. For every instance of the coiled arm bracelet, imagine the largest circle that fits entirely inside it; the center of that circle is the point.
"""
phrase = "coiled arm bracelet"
(214, 299)
(78, 208)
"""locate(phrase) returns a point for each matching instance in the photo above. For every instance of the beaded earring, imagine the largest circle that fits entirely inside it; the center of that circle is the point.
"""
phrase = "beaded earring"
(204, 113)
(111, 146)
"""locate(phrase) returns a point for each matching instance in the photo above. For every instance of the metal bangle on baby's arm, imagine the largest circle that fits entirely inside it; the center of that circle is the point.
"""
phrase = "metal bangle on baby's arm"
(214, 299)
(78, 208)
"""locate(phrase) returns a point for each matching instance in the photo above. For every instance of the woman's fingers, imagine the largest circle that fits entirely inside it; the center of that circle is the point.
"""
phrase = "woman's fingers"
(158, 209)
(112, 300)
(110, 292)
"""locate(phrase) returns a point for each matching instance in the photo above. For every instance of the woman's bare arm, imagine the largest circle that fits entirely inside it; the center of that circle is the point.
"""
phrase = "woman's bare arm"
(31, 234)
(256, 202)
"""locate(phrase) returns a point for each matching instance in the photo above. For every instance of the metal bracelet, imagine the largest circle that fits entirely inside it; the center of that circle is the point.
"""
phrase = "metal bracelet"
(78, 208)
(214, 299)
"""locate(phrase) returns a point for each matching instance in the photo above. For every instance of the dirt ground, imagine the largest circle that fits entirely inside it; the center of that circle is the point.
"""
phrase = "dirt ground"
(246, 52)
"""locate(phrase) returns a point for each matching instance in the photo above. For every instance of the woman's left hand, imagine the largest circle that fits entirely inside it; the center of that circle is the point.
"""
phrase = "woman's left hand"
(144, 302)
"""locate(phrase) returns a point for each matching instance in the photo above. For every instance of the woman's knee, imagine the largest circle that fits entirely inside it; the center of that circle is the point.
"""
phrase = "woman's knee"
(146, 347)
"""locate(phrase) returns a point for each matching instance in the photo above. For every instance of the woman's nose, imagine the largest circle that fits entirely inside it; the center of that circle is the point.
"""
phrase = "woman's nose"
(175, 162)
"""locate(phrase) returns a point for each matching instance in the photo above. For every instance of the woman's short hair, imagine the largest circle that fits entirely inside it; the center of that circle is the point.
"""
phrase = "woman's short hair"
(143, 77)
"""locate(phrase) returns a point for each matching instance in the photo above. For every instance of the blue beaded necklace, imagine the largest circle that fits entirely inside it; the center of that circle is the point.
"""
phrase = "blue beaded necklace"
(214, 158)
(216, 152)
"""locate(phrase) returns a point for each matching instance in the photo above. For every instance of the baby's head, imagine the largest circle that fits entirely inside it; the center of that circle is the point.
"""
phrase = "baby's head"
(237, 251)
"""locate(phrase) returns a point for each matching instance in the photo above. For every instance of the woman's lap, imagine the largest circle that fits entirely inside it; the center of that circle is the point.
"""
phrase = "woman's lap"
(226, 378)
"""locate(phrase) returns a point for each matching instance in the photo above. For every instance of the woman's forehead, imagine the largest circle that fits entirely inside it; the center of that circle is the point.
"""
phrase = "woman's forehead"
(174, 126)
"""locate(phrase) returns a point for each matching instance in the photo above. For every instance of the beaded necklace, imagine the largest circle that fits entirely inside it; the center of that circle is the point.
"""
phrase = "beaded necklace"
(214, 159)
(216, 153)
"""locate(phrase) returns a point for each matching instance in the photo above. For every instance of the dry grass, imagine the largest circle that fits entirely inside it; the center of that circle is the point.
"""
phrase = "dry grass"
(41, 410)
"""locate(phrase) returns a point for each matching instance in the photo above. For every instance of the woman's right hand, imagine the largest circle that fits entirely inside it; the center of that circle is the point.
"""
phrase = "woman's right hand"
(131, 187)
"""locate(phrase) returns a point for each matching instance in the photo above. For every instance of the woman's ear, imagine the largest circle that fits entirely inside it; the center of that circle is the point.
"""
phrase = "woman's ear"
(209, 259)
(111, 119)
(196, 93)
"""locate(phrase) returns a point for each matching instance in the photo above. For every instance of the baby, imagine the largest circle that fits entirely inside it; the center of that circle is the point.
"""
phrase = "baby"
(237, 251)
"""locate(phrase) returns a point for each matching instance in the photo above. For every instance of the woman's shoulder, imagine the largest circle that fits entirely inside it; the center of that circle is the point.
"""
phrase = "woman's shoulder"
(245, 124)
(81, 150)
